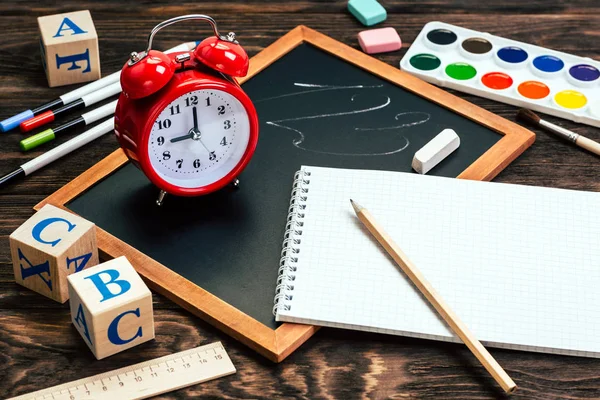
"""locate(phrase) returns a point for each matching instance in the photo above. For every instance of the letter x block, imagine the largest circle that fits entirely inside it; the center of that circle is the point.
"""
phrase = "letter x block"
(111, 307)
(69, 47)
(50, 245)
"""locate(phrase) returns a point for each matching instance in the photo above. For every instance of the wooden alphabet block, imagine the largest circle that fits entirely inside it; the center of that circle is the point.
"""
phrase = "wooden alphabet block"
(69, 47)
(111, 307)
(50, 245)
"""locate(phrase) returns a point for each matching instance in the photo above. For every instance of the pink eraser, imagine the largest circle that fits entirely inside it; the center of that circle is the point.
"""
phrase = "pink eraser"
(379, 40)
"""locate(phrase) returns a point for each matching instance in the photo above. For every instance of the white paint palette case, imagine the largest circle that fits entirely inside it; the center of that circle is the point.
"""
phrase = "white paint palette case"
(508, 71)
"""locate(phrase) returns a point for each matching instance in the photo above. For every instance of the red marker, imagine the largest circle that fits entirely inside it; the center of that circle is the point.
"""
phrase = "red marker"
(85, 119)
(14, 121)
(85, 101)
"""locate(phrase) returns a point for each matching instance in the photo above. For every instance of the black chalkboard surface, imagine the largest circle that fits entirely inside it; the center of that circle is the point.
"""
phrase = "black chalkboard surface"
(315, 109)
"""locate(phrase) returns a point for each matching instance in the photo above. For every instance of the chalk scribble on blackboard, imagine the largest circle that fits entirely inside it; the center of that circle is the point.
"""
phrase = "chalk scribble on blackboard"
(424, 118)
(298, 144)
(315, 85)
(316, 89)
(405, 119)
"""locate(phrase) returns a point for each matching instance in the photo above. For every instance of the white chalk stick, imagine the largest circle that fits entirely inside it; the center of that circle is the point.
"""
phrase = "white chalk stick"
(435, 151)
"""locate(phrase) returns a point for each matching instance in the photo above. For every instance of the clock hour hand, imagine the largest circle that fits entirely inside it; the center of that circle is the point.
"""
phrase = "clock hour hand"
(188, 135)
(194, 133)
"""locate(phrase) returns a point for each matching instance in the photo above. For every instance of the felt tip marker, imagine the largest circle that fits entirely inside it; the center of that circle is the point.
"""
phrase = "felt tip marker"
(86, 101)
(85, 119)
(67, 147)
(14, 121)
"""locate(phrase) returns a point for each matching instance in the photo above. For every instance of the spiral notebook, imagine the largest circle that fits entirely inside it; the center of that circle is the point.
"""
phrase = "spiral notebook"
(520, 265)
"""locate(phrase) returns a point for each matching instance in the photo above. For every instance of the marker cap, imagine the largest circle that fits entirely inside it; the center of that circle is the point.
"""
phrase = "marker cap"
(36, 140)
(14, 121)
(37, 121)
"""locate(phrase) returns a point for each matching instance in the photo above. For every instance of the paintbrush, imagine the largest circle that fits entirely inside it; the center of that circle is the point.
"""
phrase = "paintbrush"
(581, 141)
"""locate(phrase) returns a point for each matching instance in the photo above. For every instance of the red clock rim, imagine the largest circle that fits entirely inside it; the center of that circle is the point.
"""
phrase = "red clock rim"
(144, 157)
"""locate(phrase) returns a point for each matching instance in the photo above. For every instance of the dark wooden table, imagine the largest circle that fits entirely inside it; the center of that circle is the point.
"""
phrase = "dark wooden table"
(40, 348)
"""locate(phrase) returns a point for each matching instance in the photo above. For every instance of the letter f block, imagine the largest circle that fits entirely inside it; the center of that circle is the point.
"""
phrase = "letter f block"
(50, 245)
(69, 47)
(111, 307)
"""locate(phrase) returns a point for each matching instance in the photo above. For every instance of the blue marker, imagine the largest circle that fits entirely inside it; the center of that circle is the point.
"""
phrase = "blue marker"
(14, 121)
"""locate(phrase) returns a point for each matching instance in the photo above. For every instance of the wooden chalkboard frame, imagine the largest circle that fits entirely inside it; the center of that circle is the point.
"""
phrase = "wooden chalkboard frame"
(277, 344)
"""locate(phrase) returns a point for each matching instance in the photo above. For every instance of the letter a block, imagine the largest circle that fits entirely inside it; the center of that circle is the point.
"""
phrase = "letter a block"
(50, 245)
(69, 47)
(111, 307)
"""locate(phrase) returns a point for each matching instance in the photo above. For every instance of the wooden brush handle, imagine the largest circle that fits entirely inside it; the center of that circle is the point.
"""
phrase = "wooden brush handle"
(588, 144)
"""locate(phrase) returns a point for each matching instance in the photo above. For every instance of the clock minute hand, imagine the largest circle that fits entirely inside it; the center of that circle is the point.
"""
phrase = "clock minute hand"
(195, 117)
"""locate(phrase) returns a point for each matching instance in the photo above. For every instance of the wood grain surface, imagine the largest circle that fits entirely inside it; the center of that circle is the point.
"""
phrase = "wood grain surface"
(38, 345)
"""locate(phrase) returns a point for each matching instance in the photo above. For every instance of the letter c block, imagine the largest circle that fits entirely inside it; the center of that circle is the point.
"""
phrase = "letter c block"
(48, 247)
(117, 306)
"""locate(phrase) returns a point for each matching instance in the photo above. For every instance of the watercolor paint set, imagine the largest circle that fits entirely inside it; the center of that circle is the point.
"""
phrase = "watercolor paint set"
(508, 71)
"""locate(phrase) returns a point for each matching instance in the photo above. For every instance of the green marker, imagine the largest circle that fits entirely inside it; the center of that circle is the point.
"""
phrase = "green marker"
(35, 140)
(85, 119)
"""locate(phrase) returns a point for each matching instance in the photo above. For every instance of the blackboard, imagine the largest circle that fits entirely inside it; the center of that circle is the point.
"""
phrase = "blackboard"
(315, 108)
(230, 242)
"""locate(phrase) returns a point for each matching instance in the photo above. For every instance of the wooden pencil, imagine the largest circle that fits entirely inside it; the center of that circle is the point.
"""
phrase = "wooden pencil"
(417, 278)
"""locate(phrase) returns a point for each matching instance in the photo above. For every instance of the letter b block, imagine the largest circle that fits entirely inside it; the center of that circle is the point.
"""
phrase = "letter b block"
(69, 47)
(111, 307)
(50, 245)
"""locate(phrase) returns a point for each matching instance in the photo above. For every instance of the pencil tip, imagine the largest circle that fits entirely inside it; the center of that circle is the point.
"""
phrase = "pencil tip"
(357, 207)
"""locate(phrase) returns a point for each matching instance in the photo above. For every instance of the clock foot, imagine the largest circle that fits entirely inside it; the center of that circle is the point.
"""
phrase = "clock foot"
(236, 183)
(161, 198)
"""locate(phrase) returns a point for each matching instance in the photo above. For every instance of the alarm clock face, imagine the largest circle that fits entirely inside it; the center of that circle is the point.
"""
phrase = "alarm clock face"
(199, 138)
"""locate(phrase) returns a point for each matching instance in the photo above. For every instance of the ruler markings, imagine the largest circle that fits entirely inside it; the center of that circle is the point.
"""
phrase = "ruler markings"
(145, 384)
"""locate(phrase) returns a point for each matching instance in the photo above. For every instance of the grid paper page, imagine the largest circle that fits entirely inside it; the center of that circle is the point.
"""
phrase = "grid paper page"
(520, 265)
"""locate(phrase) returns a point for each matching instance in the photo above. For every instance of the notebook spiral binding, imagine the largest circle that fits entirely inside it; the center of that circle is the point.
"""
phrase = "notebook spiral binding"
(292, 239)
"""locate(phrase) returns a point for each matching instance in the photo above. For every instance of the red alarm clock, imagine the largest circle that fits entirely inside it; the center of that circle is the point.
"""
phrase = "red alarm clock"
(183, 119)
